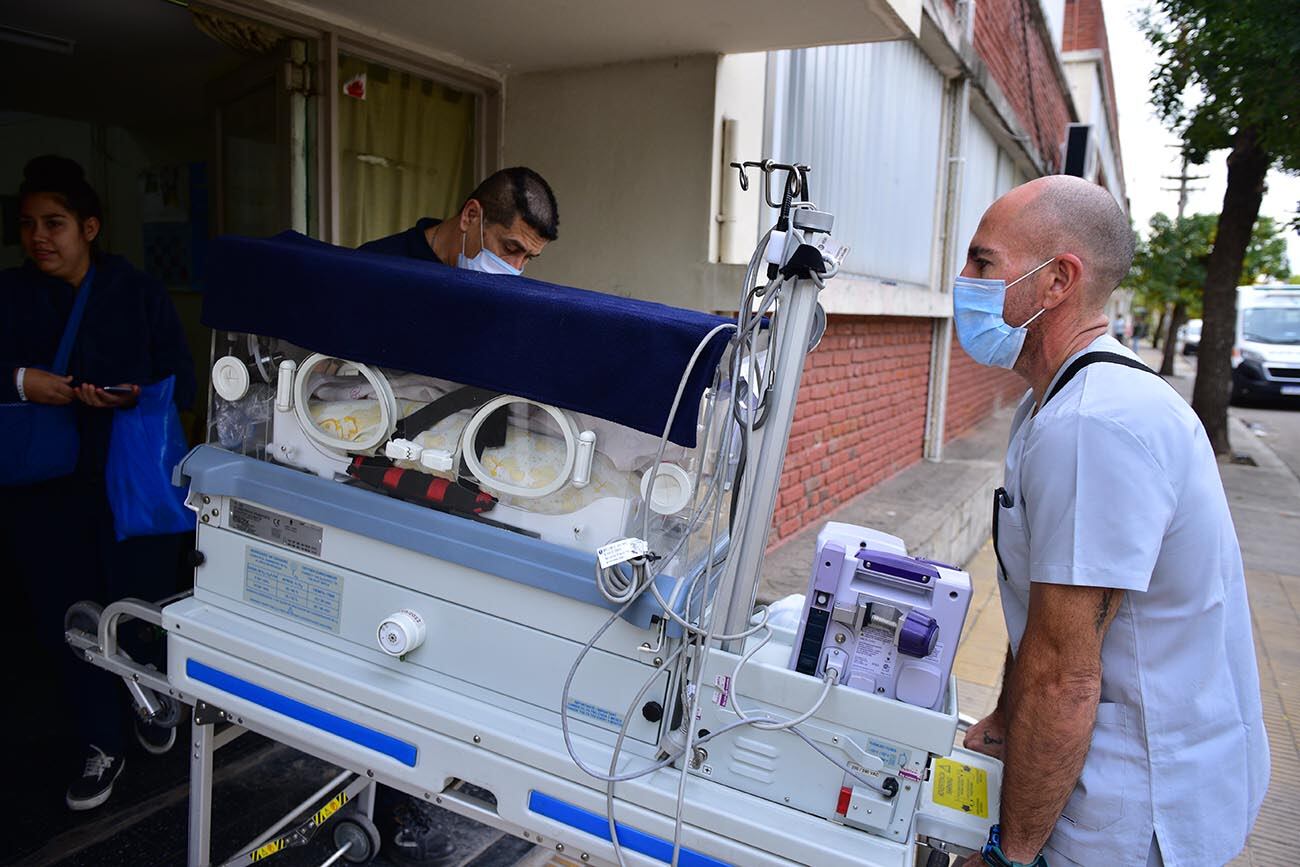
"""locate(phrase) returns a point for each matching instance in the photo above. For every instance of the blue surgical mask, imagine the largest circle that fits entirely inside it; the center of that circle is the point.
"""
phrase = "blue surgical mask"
(486, 261)
(977, 314)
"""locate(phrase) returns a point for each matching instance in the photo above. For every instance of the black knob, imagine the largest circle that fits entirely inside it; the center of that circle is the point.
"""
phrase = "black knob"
(890, 785)
(653, 711)
(196, 558)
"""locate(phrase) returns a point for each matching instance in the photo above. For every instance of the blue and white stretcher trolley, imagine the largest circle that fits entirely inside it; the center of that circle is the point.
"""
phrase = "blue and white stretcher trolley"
(495, 543)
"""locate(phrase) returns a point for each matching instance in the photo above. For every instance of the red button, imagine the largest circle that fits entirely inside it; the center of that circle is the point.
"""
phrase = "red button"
(843, 807)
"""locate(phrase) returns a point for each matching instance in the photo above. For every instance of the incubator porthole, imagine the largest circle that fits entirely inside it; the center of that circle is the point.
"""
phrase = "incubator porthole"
(342, 405)
(528, 467)
(671, 491)
(230, 378)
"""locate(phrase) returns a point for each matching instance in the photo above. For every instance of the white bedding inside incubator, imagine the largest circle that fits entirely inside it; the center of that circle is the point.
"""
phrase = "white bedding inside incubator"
(562, 476)
(533, 456)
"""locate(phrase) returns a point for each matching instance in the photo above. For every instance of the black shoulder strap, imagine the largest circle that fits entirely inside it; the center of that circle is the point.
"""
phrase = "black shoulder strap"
(1092, 358)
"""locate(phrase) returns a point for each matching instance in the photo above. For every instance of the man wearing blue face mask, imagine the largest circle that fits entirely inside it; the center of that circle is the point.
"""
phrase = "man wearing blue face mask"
(1130, 678)
(504, 224)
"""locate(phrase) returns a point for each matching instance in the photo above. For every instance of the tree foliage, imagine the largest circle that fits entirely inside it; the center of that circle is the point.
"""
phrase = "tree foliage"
(1228, 66)
(1169, 265)
(1226, 78)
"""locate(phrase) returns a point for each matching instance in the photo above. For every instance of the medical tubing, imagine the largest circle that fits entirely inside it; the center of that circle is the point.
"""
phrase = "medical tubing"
(709, 614)
(615, 585)
(746, 491)
(830, 677)
(618, 748)
(672, 414)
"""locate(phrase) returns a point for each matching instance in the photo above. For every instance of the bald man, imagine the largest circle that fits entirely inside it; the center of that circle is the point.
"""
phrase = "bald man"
(1129, 719)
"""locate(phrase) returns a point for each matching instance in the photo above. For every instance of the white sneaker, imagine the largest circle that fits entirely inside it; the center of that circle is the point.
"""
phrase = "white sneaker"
(95, 784)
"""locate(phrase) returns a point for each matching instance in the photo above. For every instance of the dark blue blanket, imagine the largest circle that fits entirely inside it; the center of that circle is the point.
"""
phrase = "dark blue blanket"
(616, 358)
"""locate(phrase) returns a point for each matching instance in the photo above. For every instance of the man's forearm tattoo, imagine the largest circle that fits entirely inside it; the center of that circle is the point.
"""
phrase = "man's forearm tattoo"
(989, 739)
(1103, 610)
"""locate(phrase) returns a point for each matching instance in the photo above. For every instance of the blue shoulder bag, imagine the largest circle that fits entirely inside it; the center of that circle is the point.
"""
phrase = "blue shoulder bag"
(146, 442)
(40, 442)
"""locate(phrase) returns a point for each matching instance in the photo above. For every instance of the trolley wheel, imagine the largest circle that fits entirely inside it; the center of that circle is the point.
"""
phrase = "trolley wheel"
(85, 616)
(361, 833)
(937, 859)
(170, 712)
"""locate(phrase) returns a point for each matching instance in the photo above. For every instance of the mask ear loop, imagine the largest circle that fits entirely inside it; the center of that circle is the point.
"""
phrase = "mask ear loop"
(1031, 273)
(1032, 318)
(1025, 324)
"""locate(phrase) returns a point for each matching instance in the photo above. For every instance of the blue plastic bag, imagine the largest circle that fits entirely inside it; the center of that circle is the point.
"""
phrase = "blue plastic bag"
(146, 443)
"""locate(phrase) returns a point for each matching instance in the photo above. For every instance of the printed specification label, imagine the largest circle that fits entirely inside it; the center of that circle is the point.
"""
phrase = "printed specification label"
(301, 591)
(961, 787)
(277, 528)
(873, 656)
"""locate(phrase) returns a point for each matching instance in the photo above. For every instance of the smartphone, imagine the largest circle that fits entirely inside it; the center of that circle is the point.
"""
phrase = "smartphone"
(119, 390)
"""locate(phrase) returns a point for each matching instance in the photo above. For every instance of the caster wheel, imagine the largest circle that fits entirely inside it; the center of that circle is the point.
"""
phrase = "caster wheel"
(937, 859)
(361, 833)
(170, 712)
(85, 616)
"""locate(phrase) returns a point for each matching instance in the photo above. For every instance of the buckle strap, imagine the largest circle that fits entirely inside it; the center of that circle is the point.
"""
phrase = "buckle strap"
(1092, 358)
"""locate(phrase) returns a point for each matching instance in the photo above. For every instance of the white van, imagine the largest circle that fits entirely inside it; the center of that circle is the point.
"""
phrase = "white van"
(1266, 356)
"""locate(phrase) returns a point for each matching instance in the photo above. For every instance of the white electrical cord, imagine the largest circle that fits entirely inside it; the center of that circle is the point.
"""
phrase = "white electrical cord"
(699, 632)
(830, 677)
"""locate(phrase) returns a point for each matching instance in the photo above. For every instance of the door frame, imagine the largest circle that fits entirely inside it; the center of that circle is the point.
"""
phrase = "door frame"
(332, 36)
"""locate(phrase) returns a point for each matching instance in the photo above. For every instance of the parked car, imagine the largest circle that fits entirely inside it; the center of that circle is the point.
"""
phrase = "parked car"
(1189, 335)
(1266, 355)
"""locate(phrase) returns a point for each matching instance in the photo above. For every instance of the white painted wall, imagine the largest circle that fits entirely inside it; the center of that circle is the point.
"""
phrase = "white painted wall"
(1085, 72)
(868, 120)
(1054, 13)
(740, 97)
(629, 149)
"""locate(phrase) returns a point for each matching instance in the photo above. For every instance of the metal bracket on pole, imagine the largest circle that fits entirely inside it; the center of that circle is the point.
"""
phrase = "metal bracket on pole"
(206, 714)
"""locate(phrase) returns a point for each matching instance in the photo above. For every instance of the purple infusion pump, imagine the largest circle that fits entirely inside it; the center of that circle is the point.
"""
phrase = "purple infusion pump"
(887, 622)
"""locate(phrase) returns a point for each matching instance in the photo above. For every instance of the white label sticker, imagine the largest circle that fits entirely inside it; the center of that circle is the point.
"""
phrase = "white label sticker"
(874, 654)
(833, 251)
(723, 695)
(620, 552)
(298, 589)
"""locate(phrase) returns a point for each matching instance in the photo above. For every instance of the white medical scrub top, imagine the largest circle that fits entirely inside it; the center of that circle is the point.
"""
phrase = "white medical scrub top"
(1113, 484)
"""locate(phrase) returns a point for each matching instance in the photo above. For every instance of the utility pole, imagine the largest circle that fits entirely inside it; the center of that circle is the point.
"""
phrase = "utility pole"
(1183, 189)
(1174, 311)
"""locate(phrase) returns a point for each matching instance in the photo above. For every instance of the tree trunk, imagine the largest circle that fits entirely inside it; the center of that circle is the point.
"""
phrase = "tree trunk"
(1176, 320)
(1247, 167)
(1158, 339)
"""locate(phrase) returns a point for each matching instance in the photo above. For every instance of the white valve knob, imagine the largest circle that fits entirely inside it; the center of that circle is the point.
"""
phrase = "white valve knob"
(437, 460)
(402, 450)
(582, 462)
(401, 632)
(284, 385)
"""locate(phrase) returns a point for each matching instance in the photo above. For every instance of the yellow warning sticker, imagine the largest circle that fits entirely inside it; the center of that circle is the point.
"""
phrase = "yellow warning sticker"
(961, 787)
(268, 850)
(323, 814)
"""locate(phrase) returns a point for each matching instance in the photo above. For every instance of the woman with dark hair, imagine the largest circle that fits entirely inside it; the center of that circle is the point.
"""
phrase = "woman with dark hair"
(60, 531)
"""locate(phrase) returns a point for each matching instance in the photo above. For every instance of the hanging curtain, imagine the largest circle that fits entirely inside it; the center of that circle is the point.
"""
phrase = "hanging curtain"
(405, 151)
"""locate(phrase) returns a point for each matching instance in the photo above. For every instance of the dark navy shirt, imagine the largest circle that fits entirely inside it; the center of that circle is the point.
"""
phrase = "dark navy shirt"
(129, 333)
(411, 243)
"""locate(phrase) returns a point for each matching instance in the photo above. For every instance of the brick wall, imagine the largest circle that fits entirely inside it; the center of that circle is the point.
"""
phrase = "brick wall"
(1005, 35)
(860, 417)
(1085, 28)
(975, 391)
